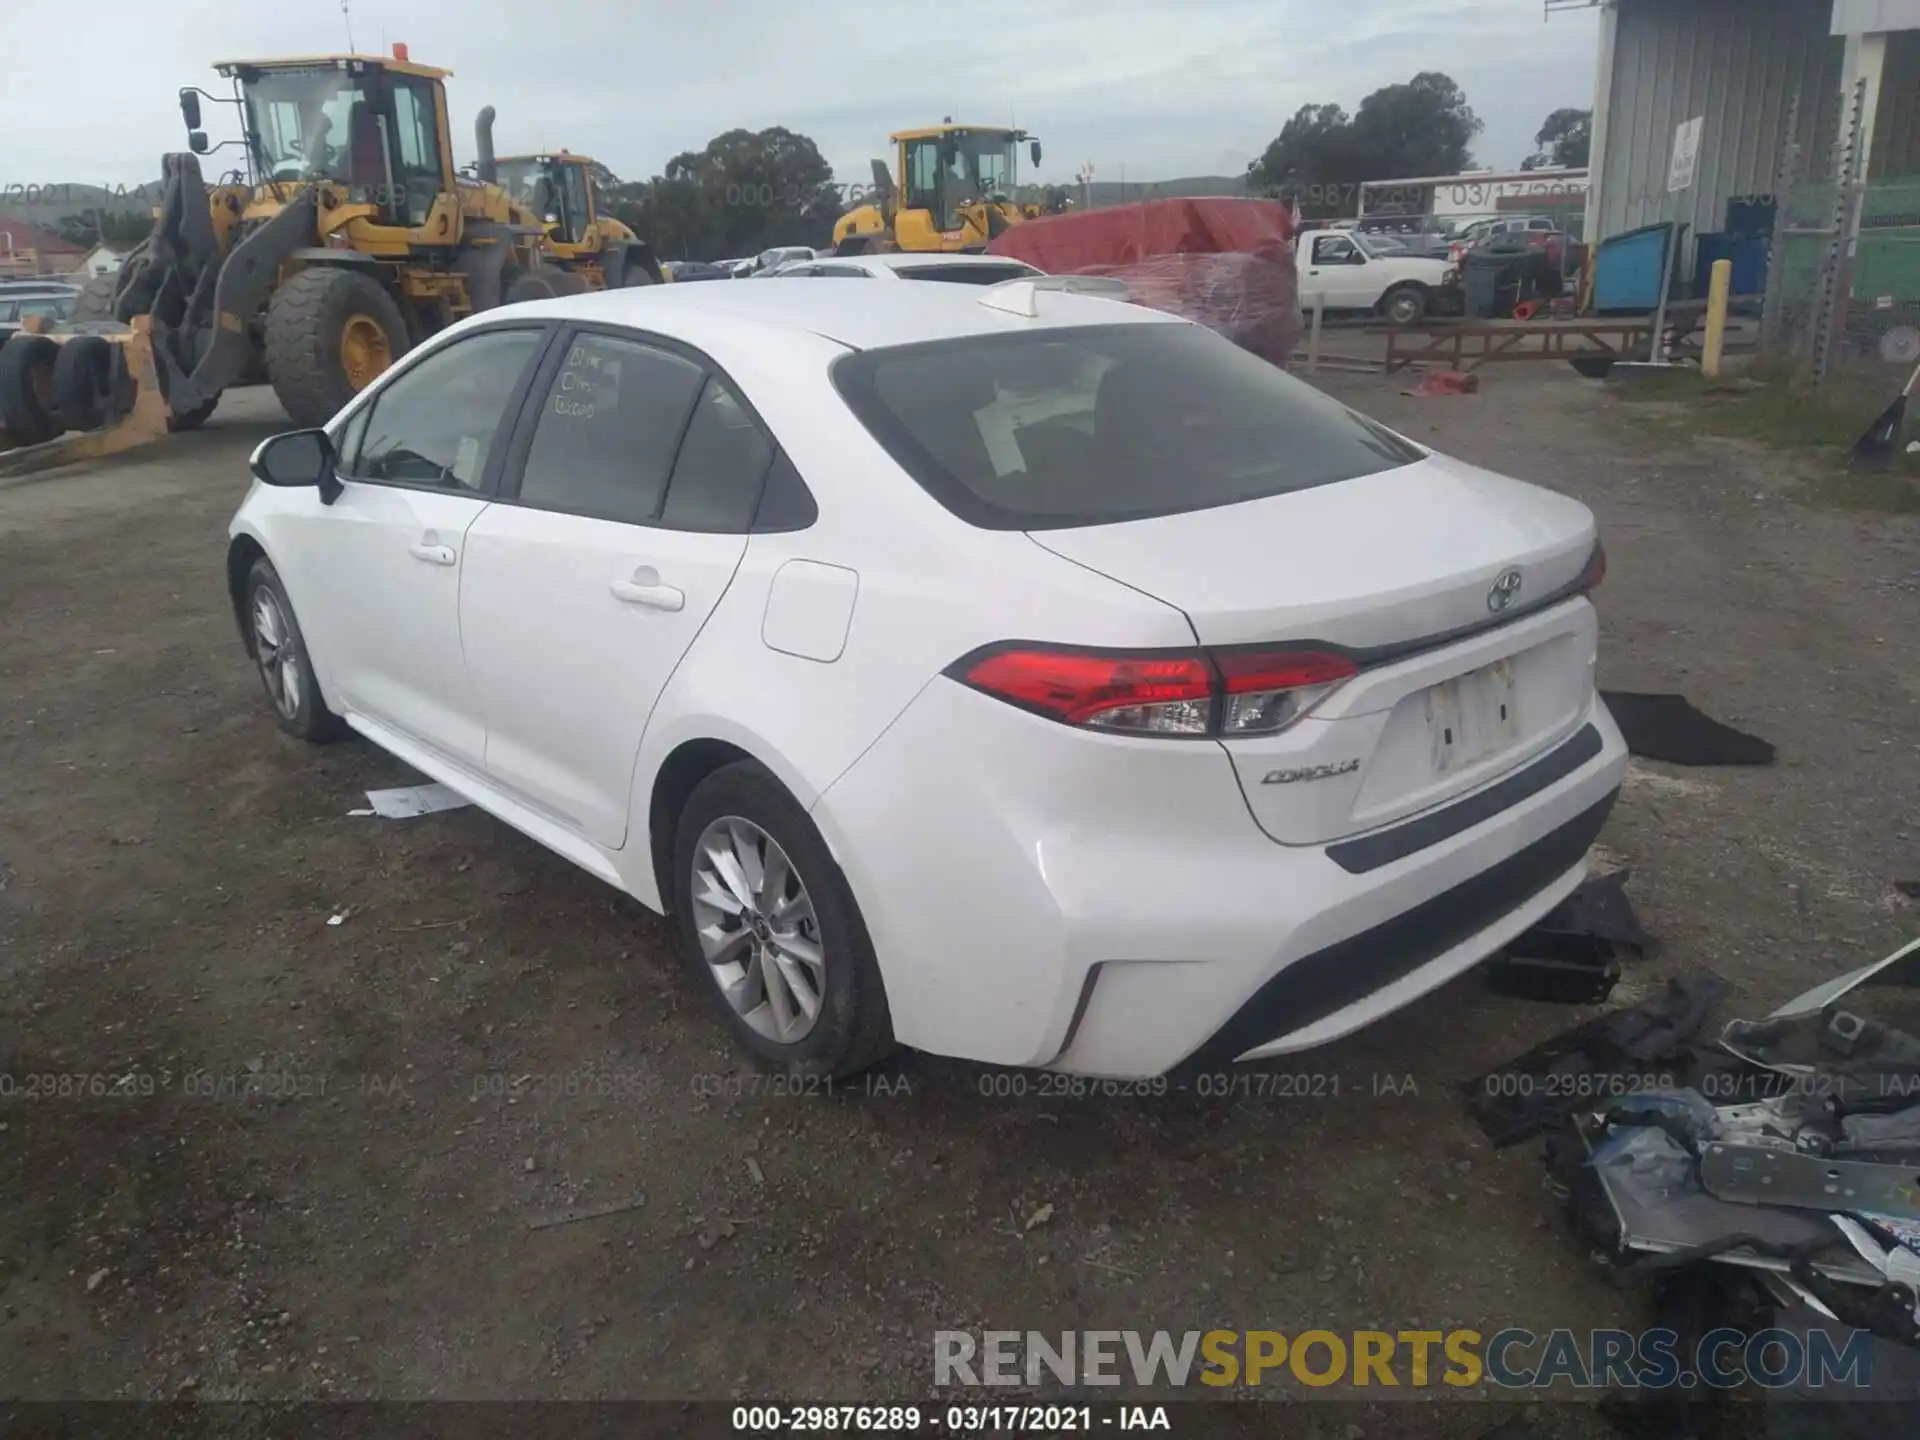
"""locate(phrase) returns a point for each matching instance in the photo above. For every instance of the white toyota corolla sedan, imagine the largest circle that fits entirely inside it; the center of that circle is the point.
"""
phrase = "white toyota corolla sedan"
(1011, 673)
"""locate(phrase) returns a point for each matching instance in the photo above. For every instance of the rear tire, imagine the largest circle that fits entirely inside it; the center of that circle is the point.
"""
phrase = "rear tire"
(545, 284)
(743, 809)
(330, 333)
(1404, 305)
(27, 408)
(279, 651)
(854, 245)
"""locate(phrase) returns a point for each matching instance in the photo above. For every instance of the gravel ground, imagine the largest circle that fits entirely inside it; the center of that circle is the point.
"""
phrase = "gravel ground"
(339, 1144)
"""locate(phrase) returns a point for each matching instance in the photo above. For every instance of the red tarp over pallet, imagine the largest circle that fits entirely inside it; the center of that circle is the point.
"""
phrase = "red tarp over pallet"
(1226, 264)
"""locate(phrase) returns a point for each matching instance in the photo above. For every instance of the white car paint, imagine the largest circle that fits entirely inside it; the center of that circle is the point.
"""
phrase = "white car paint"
(1036, 893)
(1344, 270)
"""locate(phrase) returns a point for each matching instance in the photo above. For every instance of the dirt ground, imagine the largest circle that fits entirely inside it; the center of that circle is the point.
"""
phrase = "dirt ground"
(335, 1149)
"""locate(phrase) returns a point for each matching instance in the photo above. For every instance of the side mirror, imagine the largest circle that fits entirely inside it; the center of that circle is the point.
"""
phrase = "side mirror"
(197, 141)
(296, 458)
(1034, 151)
(190, 108)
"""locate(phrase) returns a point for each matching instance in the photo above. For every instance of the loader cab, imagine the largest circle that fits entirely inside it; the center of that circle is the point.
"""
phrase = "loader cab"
(556, 188)
(946, 167)
(375, 126)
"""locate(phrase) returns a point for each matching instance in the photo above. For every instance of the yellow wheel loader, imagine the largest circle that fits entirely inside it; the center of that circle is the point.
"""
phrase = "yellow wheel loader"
(345, 239)
(588, 250)
(954, 191)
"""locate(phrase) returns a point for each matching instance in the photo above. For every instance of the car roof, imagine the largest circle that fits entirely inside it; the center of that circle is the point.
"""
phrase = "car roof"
(886, 315)
(37, 287)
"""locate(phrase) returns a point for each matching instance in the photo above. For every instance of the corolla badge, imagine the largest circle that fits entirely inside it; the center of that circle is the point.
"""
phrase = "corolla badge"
(1504, 592)
(1311, 772)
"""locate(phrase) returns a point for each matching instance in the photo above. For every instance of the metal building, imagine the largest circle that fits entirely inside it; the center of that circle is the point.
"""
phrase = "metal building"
(1739, 64)
(1809, 109)
(1743, 66)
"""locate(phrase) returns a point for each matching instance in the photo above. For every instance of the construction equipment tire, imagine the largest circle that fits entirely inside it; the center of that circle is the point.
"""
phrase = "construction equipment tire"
(83, 382)
(27, 409)
(330, 332)
(543, 285)
(95, 301)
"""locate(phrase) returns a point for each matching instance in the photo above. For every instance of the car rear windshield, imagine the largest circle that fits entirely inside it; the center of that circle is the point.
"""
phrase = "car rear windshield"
(965, 274)
(1098, 424)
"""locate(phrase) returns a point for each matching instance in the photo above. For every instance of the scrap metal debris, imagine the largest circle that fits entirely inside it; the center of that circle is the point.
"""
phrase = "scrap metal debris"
(1791, 1150)
(1667, 727)
(589, 1212)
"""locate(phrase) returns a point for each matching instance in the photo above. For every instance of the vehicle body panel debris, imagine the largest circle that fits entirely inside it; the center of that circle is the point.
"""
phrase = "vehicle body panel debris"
(1573, 956)
(1667, 727)
(406, 801)
(1534, 1092)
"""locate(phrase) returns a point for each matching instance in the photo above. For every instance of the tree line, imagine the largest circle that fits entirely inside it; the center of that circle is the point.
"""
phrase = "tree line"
(1422, 127)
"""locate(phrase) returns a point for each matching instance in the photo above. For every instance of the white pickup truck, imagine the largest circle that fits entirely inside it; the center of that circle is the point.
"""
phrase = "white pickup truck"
(1352, 270)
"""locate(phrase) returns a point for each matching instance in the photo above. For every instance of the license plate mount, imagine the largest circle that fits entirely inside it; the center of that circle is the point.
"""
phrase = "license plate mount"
(1471, 717)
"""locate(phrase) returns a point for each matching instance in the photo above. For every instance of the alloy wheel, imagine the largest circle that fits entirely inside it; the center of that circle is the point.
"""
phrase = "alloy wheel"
(758, 930)
(273, 646)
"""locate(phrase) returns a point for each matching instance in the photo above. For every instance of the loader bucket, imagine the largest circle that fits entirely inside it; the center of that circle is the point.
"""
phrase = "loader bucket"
(130, 405)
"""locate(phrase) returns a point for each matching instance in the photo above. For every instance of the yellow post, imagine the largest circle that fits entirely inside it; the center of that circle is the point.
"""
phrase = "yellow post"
(1718, 289)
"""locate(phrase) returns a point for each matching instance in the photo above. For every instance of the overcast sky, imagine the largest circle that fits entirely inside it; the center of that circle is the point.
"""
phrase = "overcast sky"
(1158, 90)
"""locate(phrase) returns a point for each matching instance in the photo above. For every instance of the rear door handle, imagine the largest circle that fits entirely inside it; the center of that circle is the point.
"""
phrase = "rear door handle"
(432, 554)
(656, 595)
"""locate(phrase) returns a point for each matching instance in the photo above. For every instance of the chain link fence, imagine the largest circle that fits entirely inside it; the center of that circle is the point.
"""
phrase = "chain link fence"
(1830, 304)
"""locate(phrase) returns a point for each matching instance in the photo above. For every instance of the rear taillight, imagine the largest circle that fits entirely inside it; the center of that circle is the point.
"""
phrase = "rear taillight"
(1189, 694)
(1145, 694)
(1267, 691)
(1595, 571)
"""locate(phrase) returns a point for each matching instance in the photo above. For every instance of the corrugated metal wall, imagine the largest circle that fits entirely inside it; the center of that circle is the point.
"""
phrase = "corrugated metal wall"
(1735, 62)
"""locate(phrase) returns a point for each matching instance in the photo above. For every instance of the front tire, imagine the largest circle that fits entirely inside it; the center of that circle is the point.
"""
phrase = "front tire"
(330, 333)
(771, 930)
(279, 650)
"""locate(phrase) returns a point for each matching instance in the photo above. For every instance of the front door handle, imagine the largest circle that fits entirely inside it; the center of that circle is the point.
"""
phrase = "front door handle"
(645, 589)
(432, 554)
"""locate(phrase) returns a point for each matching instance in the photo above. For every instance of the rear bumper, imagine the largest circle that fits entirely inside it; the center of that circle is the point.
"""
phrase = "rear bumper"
(1107, 907)
(1453, 929)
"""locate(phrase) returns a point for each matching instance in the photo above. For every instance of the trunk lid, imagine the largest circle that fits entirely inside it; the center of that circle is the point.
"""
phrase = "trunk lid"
(1400, 569)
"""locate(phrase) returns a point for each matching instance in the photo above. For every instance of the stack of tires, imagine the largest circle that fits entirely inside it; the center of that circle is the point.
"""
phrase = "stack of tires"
(48, 387)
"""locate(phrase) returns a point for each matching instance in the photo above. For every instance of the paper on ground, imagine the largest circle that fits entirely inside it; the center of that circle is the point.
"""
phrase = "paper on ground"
(406, 801)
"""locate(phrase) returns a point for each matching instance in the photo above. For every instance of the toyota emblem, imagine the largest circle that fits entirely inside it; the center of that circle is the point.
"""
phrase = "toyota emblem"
(1503, 592)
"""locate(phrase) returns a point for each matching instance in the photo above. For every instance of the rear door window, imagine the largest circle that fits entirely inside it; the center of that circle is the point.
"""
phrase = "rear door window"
(722, 465)
(1098, 424)
(608, 428)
